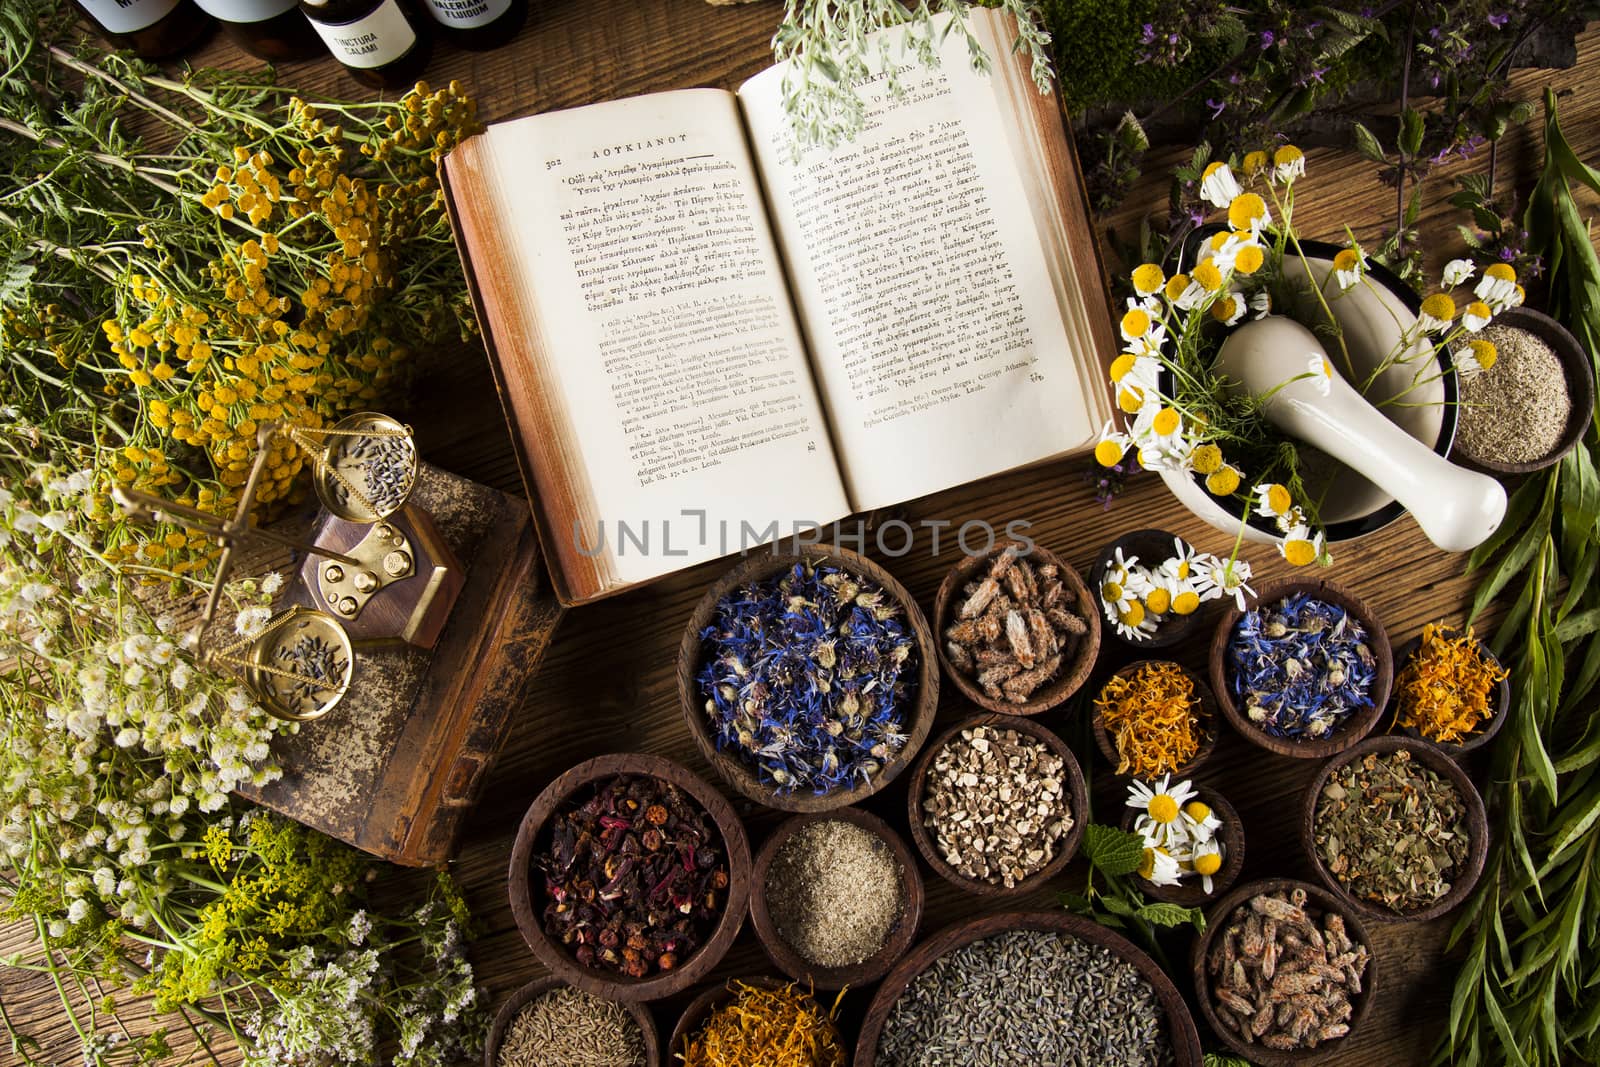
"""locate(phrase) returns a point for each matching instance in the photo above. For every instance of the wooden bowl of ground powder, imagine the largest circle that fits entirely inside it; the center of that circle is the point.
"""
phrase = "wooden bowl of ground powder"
(1526, 411)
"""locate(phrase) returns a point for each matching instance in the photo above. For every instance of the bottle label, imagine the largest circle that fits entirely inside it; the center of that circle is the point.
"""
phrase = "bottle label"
(246, 10)
(128, 16)
(372, 41)
(465, 14)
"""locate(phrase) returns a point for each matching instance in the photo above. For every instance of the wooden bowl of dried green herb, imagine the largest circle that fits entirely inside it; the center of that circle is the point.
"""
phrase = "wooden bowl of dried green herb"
(1028, 987)
(1248, 935)
(836, 898)
(630, 876)
(1018, 629)
(1396, 829)
(1304, 670)
(768, 1018)
(567, 1026)
(809, 680)
(1450, 690)
(986, 826)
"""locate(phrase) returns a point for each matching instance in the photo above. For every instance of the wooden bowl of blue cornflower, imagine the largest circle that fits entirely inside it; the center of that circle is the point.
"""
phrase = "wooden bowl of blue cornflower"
(809, 679)
(1304, 670)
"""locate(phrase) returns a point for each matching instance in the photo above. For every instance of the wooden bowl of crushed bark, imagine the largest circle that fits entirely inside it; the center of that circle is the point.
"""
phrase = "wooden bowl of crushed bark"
(505, 1022)
(1074, 793)
(1277, 942)
(1017, 629)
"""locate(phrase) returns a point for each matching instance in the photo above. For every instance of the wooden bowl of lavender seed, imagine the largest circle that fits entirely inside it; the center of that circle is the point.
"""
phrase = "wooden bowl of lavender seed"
(890, 737)
(1356, 724)
(1191, 892)
(1319, 908)
(1022, 607)
(1408, 832)
(1151, 548)
(927, 787)
(1052, 978)
(836, 898)
(529, 896)
(584, 1025)
(1539, 359)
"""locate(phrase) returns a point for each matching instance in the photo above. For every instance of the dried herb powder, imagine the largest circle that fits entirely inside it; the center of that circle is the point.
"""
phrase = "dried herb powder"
(765, 1028)
(835, 892)
(567, 1027)
(1014, 627)
(1445, 690)
(635, 877)
(1152, 717)
(807, 677)
(1300, 668)
(1516, 411)
(1026, 998)
(1392, 830)
(1282, 974)
(995, 801)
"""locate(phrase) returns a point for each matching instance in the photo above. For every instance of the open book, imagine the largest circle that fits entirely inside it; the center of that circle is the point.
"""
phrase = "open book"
(703, 342)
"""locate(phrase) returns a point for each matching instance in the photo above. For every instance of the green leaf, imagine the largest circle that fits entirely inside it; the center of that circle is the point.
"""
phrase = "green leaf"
(1217, 1059)
(1581, 815)
(1411, 129)
(1502, 1029)
(1170, 915)
(1367, 144)
(1580, 625)
(1521, 505)
(1111, 850)
(1580, 494)
(1077, 903)
(14, 283)
(1118, 906)
(1513, 562)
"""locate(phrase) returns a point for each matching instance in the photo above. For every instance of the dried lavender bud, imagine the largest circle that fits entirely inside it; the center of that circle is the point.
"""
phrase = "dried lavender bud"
(808, 677)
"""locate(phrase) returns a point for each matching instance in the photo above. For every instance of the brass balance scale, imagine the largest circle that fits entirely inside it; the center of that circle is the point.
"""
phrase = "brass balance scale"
(376, 572)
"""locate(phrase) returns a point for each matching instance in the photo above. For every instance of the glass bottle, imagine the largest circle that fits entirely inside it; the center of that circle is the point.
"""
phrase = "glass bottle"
(378, 41)
(153, 29)
(270, 29)
(478, 25)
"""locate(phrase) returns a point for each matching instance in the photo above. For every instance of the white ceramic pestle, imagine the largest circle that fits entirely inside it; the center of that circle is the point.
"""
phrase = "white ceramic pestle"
(1456, 508)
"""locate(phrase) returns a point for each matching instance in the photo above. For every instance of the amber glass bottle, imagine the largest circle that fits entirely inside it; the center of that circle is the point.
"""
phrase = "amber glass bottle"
(154, 29)
(378, 41)
(478, 24)
(270, 29)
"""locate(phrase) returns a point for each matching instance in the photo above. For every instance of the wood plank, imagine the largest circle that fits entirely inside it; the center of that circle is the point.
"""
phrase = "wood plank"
(607, 682)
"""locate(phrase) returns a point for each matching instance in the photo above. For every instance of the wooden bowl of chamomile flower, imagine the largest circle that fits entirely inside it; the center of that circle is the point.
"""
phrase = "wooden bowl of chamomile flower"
(1357, 724)
(1203, 705)
(915, 707)
(537, 988)
(1077, 653)
(1191, 891)
(1150, 548)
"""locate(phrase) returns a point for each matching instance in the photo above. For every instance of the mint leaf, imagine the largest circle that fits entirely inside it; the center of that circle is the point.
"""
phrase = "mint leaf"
(1173, 915)
(1217, 1059)
(1112, 851)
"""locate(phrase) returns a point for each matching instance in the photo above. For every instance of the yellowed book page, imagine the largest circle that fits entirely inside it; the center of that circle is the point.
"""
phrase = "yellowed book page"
(644, 247)
(940, 324)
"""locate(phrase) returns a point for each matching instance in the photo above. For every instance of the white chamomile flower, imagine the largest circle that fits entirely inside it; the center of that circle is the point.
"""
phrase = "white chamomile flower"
(1200, 821)
(272, 583)
(1272, 499)
(1349, 266)
(1458, 271)
(1261, 303)
(1289, 163)
(1229, 578)
(1498, 286)
(1158, 867)
(1160, 800)
(1218, 185)
(1476, 357)
(1229, 308)
(1321, 372)
(1476, 316)
(1207, 861)
(1301, 547)
(1112, 445)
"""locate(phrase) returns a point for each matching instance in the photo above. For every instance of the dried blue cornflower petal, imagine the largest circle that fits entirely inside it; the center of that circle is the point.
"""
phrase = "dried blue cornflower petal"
(1300, 668)
(805, 677)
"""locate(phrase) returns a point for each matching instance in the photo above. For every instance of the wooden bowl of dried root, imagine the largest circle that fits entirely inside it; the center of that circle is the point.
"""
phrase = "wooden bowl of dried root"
(1017, 629)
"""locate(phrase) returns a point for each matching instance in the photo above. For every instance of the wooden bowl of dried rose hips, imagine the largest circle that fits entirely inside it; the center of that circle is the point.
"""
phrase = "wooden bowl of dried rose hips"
(1018, 629)
(630, 877)
(808, 679)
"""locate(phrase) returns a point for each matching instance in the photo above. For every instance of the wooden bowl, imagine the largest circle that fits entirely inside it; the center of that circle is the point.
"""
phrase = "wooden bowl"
(1147, 545)
(1477, 825)
(1579, 372)
(1207, 715)
(1180, 1024)
(1191, 894)
(694, 1016)
(538, 988)
(1077, 800)
(1499, 697)
(874, 967)
(1073, 673)
(1317, 897)
(1357, 725)
(527, 895)
(922, 700)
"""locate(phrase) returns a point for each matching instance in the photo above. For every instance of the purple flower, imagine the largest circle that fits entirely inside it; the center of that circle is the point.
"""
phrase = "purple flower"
(1499, 19)
(1149, 34)
(1217, 106)
(1267, 37)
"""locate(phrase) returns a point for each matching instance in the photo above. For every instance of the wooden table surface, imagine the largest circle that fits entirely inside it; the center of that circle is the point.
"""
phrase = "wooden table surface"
(607, 683)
